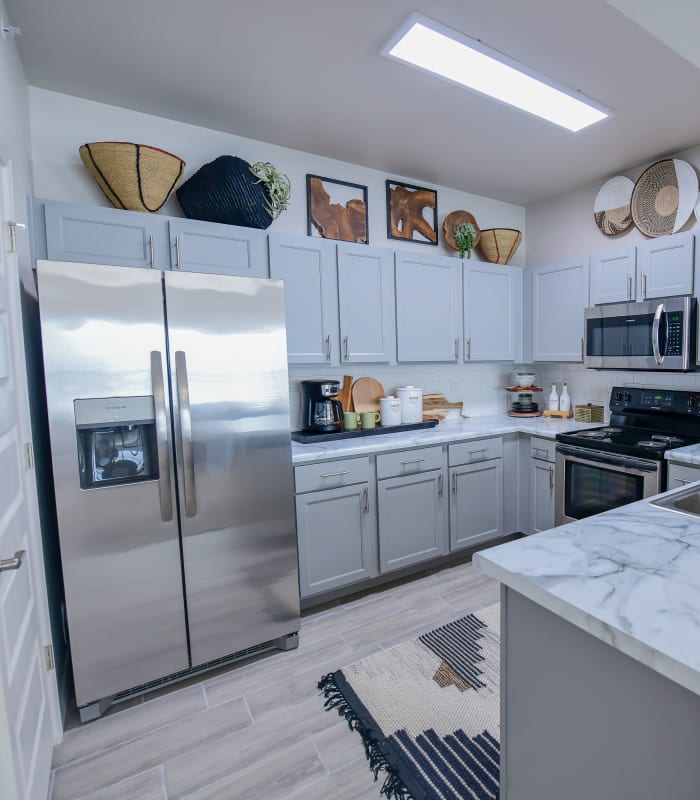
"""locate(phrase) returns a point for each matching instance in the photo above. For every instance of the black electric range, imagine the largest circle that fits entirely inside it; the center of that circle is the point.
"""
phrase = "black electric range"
(598, 469)
(644, 423)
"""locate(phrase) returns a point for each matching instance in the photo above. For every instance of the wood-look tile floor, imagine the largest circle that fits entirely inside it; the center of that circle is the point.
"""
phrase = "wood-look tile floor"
(258, 729)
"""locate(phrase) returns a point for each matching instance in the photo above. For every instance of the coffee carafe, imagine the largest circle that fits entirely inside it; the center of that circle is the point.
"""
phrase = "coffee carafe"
(321, 412)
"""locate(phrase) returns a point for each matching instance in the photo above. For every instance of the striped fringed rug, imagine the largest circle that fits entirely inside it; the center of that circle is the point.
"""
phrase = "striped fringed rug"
(428, 711)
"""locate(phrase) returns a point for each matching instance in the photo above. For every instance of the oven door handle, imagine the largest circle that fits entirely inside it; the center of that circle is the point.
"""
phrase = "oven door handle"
(655, 334)
(575, 454)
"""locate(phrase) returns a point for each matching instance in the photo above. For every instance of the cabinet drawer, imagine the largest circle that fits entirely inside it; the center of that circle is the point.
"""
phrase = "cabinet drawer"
(407, 462)
(543, 449)
(475, 450)
(346, 471)
(681, 474)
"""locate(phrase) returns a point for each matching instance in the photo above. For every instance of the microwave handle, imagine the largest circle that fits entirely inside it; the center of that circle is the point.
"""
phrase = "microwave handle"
(655, 333)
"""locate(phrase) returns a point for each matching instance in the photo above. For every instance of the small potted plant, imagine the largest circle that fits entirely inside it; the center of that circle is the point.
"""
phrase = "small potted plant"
(464, 238)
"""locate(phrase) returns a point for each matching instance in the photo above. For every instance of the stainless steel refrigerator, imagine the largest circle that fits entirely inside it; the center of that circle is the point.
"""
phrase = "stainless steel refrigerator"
(168, 405)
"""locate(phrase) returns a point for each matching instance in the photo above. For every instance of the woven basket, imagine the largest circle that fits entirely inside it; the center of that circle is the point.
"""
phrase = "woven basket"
(225, 190)
(498, 245)
(136, 177)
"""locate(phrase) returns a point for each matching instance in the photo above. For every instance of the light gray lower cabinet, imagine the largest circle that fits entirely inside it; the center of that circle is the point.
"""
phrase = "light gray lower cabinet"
(337, 532)
(681, 475)
(476, 503)
(541, 495)
(412, 519)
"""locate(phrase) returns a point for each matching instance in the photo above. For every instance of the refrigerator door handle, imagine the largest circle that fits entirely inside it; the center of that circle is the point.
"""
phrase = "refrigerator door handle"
(183, 401)
(161, 418)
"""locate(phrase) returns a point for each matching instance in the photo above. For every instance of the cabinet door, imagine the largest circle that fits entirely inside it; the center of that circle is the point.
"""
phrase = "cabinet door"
(559, 297)
(492, 312)
(95, 235)
(681, 475)
(223, 249)
(665, 266)
(366, 304)
(541, 495)
(613, 277)
(412, 519)
(476, 503)
(428, 308)
(308, 268)
(337, 538)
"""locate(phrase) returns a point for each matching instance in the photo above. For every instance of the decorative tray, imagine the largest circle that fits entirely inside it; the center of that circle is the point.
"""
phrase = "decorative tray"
(312, 438)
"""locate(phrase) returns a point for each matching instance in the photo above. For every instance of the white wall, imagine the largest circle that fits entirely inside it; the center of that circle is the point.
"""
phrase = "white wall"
(563, 227)
(61, 123)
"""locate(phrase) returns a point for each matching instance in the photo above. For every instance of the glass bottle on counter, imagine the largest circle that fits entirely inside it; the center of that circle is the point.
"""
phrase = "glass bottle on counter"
(565, 399)
(553, 404)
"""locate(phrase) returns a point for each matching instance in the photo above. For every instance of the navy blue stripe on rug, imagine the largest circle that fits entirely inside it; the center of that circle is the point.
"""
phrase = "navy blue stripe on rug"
(480, 766)
(425, 765)
(470, 774)
(479, 751)
(458, 645)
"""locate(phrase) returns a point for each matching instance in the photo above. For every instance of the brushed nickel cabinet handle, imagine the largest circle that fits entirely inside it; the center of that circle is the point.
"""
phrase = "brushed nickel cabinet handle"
(682, 481)
(13, 228)
(469, 348)
(551, 478)
(15, 562)
(328, 347)
(334, 474)
(454, 483)
(412, 461)
(440, 487)
(365, 496)
(644, 286)
(629, 286)
(178, 252)
(582, 354)
(457, 349)
(151, 250)
(345, 348)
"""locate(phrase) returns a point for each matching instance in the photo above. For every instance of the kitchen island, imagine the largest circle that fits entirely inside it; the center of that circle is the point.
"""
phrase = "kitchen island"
(601, 658)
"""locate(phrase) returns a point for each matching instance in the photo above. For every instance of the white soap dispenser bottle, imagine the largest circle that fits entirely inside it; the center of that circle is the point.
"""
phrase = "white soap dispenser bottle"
(565, 400)
(553, 399)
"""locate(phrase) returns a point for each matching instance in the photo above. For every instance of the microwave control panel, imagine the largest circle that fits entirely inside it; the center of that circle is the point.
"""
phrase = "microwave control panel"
(674, 342)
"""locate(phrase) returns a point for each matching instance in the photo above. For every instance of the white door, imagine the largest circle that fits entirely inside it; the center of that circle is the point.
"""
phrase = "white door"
(613, 277)
(29, 720)
(492, 312)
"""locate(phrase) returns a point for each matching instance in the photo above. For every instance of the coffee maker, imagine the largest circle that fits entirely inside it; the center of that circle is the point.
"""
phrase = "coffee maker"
(320, 412)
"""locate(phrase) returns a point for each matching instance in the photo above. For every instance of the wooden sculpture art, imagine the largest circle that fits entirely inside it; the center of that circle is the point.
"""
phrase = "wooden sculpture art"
(347, 223)
(407, 213)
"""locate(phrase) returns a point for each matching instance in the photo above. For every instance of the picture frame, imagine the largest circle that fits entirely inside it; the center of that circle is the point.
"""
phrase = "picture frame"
(411, 213)
(336, 209)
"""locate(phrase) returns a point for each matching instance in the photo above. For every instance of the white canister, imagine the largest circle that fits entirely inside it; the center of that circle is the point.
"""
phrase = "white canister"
(411, 398)
(390, 409)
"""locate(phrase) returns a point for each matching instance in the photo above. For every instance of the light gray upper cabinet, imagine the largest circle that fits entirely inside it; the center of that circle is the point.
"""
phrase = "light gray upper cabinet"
(366, 304)
(614, 276)
(96, 235)
(476, 503)
(307, 265)
(223, 249)
(493, 298)
(559, 297)
(665, 266)
(337, 532)
(428, 307)
(412, 519)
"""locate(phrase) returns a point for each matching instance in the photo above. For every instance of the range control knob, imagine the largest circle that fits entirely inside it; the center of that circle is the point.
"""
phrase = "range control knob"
(618, 397)
(693, 403)
(628, 397)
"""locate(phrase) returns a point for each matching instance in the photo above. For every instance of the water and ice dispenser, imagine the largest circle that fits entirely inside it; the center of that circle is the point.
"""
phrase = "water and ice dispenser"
(116, 441)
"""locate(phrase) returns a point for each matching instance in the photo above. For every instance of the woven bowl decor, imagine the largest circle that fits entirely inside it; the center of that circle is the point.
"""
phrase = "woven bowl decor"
(135, 177)
(225, 190)
(664, 197)
(498, 245)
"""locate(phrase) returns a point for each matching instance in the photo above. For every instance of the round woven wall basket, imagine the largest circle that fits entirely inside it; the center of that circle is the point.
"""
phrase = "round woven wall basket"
(135, 177)
(498, 245)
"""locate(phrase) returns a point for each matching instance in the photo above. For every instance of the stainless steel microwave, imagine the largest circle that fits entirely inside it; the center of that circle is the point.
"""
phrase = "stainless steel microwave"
(655, 334)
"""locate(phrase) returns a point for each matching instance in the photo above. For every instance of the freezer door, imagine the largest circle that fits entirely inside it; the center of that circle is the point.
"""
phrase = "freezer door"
(104, 358)
(228, 362)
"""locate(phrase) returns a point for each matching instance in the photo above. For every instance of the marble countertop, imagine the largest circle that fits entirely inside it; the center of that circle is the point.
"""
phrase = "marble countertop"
(460, 430)
(685, 455)
(630, 577)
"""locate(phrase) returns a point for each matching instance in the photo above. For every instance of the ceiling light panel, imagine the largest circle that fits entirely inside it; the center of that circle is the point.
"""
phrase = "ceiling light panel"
(426, 44)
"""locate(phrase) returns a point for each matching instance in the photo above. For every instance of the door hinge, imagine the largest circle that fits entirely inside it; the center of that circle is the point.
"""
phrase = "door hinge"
(48, 657)
(28, 455)
(13, 228)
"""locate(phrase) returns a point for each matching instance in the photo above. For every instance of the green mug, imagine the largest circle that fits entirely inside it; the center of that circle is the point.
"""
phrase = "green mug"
(350, 421)
(369, 419)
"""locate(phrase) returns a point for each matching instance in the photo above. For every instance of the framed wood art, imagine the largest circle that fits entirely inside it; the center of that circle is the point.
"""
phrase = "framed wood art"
(411, 213)
(336, 209)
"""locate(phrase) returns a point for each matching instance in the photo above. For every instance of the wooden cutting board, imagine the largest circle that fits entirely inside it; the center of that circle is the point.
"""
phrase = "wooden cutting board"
(437, 402)
(345, 394)
(366, 393)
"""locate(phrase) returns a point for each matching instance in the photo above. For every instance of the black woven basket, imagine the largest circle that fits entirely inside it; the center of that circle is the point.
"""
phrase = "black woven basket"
(225, 190)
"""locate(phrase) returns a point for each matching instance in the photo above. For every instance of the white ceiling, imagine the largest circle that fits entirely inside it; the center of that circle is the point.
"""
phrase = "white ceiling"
(307, 74)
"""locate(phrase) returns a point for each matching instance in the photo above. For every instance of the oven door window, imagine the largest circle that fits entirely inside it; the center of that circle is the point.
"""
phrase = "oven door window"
(590, 489)
(620, 336)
